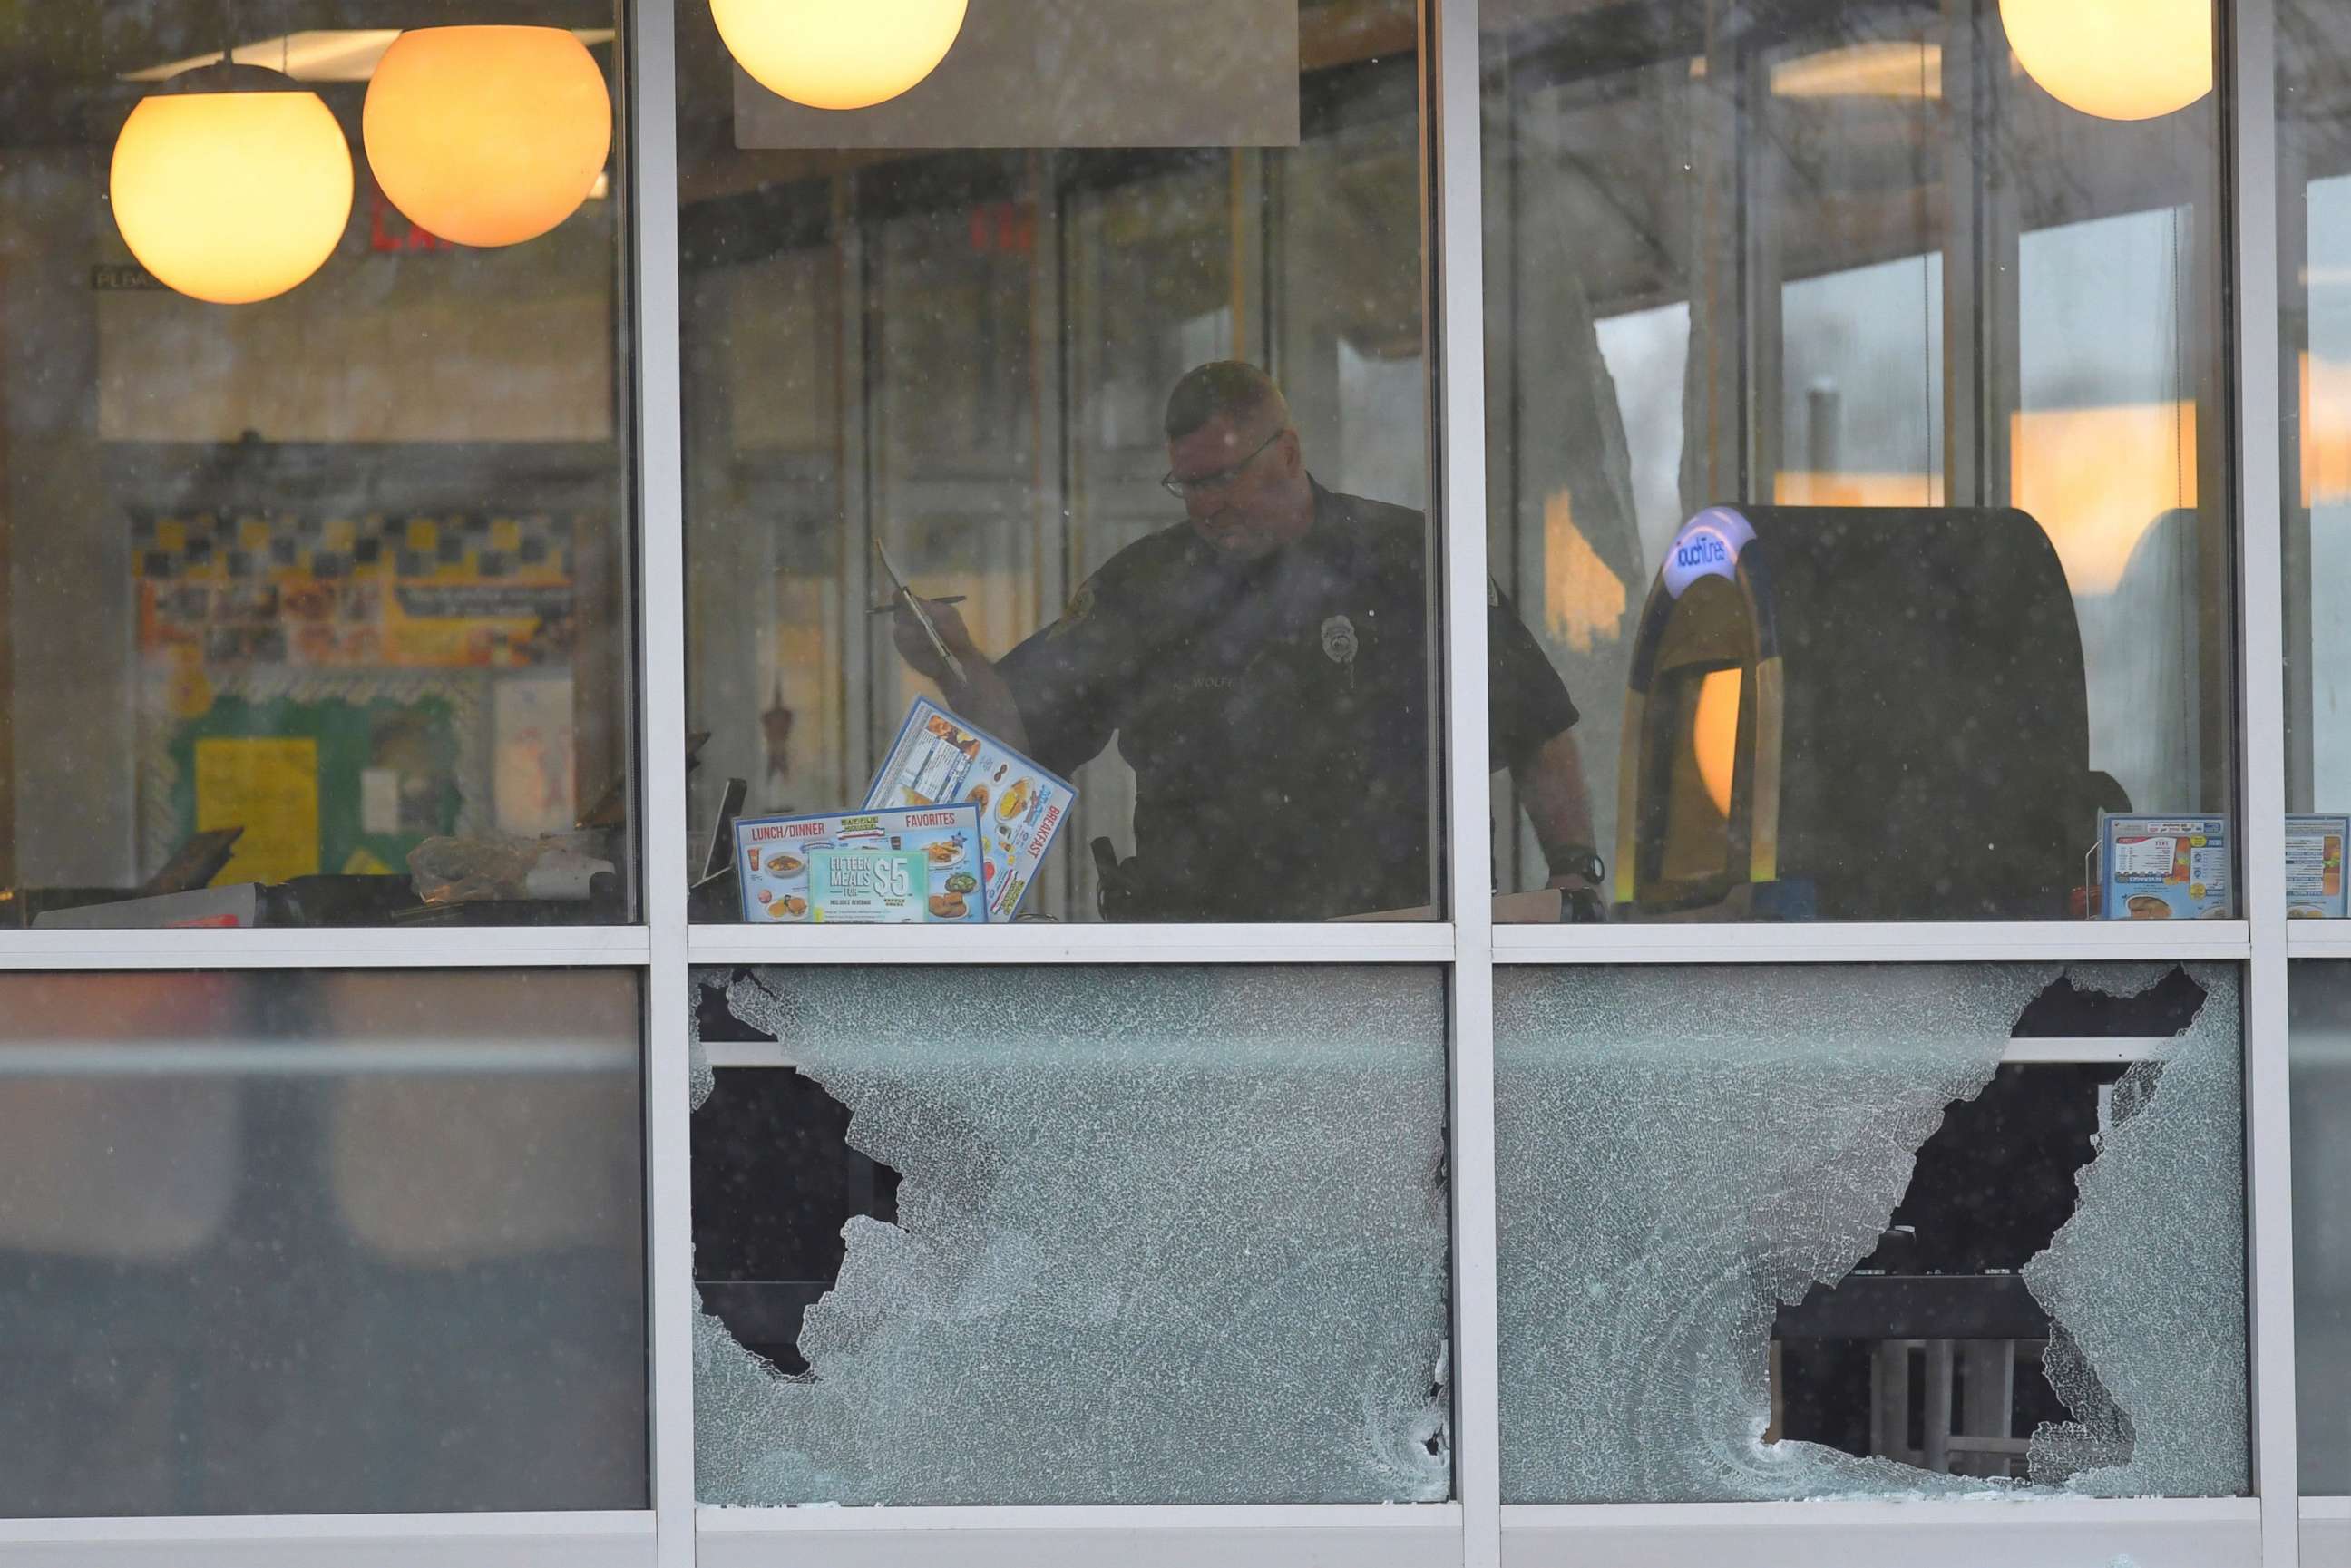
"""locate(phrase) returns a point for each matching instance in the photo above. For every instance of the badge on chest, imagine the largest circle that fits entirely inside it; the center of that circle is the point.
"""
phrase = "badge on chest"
(1340, 645)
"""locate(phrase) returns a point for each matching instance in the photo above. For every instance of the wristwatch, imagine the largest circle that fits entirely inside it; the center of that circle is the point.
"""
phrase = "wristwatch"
(1578, 859)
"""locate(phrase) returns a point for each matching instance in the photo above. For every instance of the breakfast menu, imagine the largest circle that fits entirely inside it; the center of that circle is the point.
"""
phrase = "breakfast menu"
(861, 868)
(939, 760)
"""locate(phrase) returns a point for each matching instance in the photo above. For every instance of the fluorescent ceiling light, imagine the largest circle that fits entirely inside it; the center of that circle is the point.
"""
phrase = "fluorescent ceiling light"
(341, 54)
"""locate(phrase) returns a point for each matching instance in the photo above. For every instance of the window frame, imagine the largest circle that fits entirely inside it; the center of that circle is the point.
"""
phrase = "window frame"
(1475, 1531)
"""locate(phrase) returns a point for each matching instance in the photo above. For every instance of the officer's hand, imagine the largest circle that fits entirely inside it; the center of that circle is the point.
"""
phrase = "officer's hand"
(916, 648)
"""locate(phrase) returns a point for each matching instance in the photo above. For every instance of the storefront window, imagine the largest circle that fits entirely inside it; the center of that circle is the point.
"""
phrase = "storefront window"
(1777, 1234)
(1128, 384)
(308, 1243)
(316, 523)
(1071, 1236)
(1857, 460)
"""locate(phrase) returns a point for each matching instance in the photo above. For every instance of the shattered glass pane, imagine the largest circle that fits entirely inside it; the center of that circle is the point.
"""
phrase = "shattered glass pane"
(2148, 1276)
(1165, 1235)
(2322, 1222)
(1683, 1153)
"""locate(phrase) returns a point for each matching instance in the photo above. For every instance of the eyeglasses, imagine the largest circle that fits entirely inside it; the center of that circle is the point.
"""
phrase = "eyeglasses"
(1204, 484)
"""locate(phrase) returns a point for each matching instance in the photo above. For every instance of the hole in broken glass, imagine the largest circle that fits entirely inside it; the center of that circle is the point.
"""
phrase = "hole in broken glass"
(1156, 1241)
(775, 1181)
(1934, 1352)
(1683, 1159)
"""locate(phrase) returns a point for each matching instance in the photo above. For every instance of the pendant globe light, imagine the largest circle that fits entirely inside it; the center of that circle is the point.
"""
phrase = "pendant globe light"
(232, 183)
(2119, 59)
(487, 135)
(838, 53)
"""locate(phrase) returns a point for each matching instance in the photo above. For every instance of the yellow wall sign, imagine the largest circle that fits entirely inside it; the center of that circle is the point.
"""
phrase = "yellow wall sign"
(270, 788)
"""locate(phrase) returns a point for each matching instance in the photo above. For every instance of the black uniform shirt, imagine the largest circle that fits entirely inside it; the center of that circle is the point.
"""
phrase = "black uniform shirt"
(1276, 712)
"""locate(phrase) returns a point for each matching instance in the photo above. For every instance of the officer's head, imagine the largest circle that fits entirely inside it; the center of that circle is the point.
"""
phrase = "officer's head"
(1233, 459)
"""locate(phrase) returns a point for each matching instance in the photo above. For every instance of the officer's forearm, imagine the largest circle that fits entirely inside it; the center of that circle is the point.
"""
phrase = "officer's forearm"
(984, 698)
(1552, 792)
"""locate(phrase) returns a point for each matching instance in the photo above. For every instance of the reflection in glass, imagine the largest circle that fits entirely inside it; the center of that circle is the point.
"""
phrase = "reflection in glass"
(1110, 1237)
(1952, 348)
(2314, 287)
(321, 1243)
(1803, 1234)
(317, 605)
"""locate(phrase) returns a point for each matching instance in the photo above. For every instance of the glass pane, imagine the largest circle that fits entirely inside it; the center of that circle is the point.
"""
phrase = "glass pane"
(1931, 1230)
(2314, 283)
(2322, 1222)
(1071, 1236)
(1857, 458)
(317, 598)
(964, 334)
(321, 1243)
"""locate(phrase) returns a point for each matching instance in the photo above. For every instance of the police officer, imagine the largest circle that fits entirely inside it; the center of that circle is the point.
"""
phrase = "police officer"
(1265, 668)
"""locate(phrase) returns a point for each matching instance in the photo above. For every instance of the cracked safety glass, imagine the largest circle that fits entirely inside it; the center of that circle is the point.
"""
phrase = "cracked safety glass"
(1071, 1236)
(1934, 1231)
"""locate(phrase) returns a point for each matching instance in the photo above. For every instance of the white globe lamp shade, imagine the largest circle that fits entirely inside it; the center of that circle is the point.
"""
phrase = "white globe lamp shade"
(2119, 59)
(487, 135)
(232, 194)
(838, 53)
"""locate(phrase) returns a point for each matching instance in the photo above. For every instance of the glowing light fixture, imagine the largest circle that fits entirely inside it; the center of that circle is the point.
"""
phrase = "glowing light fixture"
(2119, 59)
(232, 184)
(487, 136)
(838, 54)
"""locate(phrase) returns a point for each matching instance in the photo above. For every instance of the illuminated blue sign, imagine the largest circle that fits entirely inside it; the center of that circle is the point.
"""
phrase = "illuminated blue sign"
(1707, 546)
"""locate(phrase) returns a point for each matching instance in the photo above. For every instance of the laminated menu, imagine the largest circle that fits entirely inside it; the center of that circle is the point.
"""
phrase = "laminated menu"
(2164, 868)
(901, 867)
(2314, 867)
(938, 759)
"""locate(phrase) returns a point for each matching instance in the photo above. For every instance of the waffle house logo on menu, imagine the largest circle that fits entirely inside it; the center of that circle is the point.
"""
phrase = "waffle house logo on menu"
(1709, 546)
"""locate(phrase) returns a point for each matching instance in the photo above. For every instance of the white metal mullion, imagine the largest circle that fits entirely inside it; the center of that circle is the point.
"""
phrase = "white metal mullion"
(2252, 62)
(424, 948)
(1371, 943)
(588, 1539)
(660, 523)
(1458, 325)
(1910, 942)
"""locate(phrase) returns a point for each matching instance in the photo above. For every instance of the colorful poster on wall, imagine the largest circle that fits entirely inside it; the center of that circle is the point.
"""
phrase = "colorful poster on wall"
(458, 591)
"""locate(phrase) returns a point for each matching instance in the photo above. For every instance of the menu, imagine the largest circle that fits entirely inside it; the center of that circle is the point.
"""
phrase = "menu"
(938, 759)
(2314, 867)
(899, 867)
(2165, 868)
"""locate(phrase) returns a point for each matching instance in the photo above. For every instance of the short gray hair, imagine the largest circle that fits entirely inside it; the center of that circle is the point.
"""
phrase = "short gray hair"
(1227, 389)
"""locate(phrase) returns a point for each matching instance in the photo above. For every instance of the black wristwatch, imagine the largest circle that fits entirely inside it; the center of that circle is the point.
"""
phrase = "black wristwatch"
(1578, 859)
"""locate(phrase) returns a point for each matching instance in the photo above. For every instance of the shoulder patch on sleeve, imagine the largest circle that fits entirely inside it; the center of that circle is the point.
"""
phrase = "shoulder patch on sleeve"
(1081, 608)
